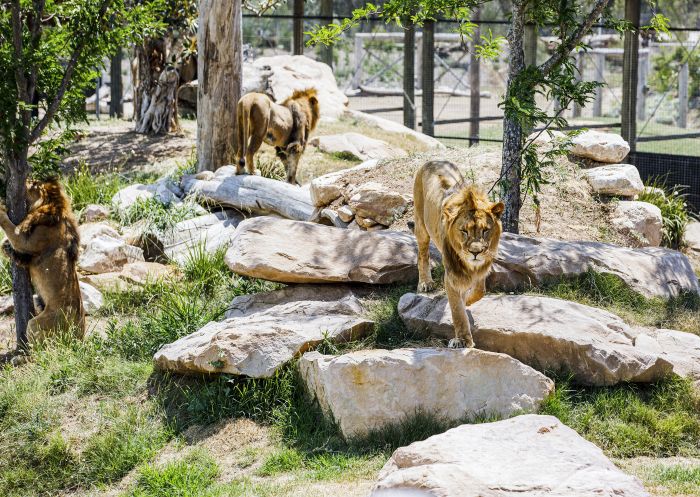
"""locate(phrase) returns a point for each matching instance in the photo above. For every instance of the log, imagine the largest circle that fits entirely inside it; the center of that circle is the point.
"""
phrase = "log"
(219, 74)
(253, 194)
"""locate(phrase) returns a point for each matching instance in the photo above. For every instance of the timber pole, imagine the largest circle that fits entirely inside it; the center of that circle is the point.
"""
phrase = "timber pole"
(629, 74)
(298, 28)
(409, 74)
(116, 108)
(474, 83)
(428, 75)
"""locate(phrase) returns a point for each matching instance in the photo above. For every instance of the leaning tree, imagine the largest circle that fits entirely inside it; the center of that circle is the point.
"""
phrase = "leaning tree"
(522, 171)
(49, 50)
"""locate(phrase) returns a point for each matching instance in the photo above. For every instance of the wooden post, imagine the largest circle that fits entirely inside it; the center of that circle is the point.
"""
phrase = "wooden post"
(599, 59)
(641, 85)
(419, 60)
(97, 95)
(683, 96)
(357, 75)
(474, 83)
(629, 75)
(428, 77)
(326, 52)
(298, 28)
(579, 65)
(116, 107)
(219, 71)
(409, 71)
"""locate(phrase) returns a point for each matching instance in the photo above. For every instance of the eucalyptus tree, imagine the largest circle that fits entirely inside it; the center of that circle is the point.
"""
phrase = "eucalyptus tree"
(49, 50)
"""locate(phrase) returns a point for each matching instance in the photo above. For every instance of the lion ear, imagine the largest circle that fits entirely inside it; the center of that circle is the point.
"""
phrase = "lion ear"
(313, 100)
(497, 209)
(450, 210)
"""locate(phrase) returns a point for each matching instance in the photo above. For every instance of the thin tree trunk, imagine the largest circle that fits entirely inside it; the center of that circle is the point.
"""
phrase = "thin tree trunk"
(512, 129)
(17, 210)
(219, 70)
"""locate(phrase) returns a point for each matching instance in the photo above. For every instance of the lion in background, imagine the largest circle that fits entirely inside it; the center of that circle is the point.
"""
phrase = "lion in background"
(285, 126)
(466, 228)
(46, 243)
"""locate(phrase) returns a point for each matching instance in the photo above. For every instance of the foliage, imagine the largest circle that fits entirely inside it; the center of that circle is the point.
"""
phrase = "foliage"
(667, 65)
(85, 188)
(185, 477)
(155, 216)
(629, 420)
(5, 276)
(674, 211)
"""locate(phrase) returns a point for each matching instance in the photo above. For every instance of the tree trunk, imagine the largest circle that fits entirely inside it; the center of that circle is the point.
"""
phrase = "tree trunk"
(219, 70)
(17, 210)
(474, 82)
(512, 129)
(155, 98)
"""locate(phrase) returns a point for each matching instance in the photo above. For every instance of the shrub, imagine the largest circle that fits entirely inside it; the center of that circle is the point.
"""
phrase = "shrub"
(674, 211)
(85, 188)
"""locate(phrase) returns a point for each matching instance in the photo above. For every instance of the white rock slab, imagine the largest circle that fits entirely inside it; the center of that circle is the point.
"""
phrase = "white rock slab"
(373, 200)
(678, 347)
(297, 252)
(367, 390)
(359, 146)
(92, 298)
(600, 147)
(525, 456)
(142, 272)
(266, 331)
(641, 221)
(394, 127)
(104, 254)
(95, 212)
(325, 189)
(621, 180)
(89, 231)
(250, 193)
(545, 333)
(692, 235)
(652, 271)
(210, 232)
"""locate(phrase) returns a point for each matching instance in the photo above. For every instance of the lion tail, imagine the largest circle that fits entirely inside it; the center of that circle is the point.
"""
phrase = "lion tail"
(242, 134)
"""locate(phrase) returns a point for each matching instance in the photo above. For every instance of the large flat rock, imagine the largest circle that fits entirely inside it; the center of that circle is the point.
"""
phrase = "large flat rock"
(525, 456)
(545, 333)
(621, 180)
(652, 271)
(356, 145)
(208, 232)
(678, 347)
(298, 252)
(265, 331)
(600, 147)
(367, 390)
(250, 193)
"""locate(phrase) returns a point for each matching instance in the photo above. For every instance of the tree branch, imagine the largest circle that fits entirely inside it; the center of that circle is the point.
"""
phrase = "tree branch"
(570, 43)
(65, 81)
(35, 29)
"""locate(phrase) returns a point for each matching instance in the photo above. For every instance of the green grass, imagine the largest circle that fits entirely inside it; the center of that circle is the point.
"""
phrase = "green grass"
(675, 478)
(187, 477)
(632, 420)
(611, 293)
(5, 276)
(155, 216)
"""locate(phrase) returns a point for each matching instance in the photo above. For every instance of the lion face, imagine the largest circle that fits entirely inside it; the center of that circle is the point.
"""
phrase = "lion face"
(474, 227)
(35, 191)
(290, 156)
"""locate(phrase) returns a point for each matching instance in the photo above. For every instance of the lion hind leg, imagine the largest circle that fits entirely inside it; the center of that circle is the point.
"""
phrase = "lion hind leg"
(50, 323)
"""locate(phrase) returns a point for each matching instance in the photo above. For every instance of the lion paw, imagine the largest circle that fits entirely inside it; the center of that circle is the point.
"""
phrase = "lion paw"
(426, 286)
(460, 343)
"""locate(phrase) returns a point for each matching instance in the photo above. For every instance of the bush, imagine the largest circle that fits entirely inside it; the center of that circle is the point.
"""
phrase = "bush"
(85, 188)
(674, 211)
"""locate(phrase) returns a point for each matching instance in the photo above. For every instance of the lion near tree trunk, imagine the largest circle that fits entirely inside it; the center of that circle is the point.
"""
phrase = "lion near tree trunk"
(466, 227)
(285, 126)
(46, 242)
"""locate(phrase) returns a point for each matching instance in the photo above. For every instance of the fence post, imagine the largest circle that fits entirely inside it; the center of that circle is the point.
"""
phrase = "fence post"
(599, 76)
(97, 95)
(530, 45)
(629, 75)
(579, 65)
(641, 85)
(327, 51)
(409, 82)
(683, 96)
(298, 28)
(357, 75)
(474, 82)
(116, 108)
(428, 75)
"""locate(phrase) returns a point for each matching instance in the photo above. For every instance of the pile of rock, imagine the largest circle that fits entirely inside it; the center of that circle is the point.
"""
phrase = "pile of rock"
(360, 205)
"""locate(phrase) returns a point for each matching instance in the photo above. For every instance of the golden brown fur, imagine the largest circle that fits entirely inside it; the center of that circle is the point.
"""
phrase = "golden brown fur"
(466, 228)
(46, 242)
(286, 127)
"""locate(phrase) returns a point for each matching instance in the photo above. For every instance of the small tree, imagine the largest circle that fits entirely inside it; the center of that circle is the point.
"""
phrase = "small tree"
(49, 50)
(522, 171)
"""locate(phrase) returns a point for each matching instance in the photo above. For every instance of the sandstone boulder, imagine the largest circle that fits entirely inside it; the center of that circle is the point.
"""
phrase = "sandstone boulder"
(652, 271)
(92, 298)
(265, 331)
(374, 201)
(677, 347)
(621, 180)
(394, 127)
(692, 235)
(210, 232)
(95, 212)
(297, 252)
(7, 304)
(527, 456)
(640, 221)
(329, 187)
(105, 254)
(142, 272)
(596, 346)
(127, 197)
(89, 231)
(356, 145)
(367, 390)
(249, 193)
(600, 147)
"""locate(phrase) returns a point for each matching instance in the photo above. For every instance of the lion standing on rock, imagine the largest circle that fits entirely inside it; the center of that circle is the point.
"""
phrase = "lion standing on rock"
(286, 127)
(466, 228)
(46, 242)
